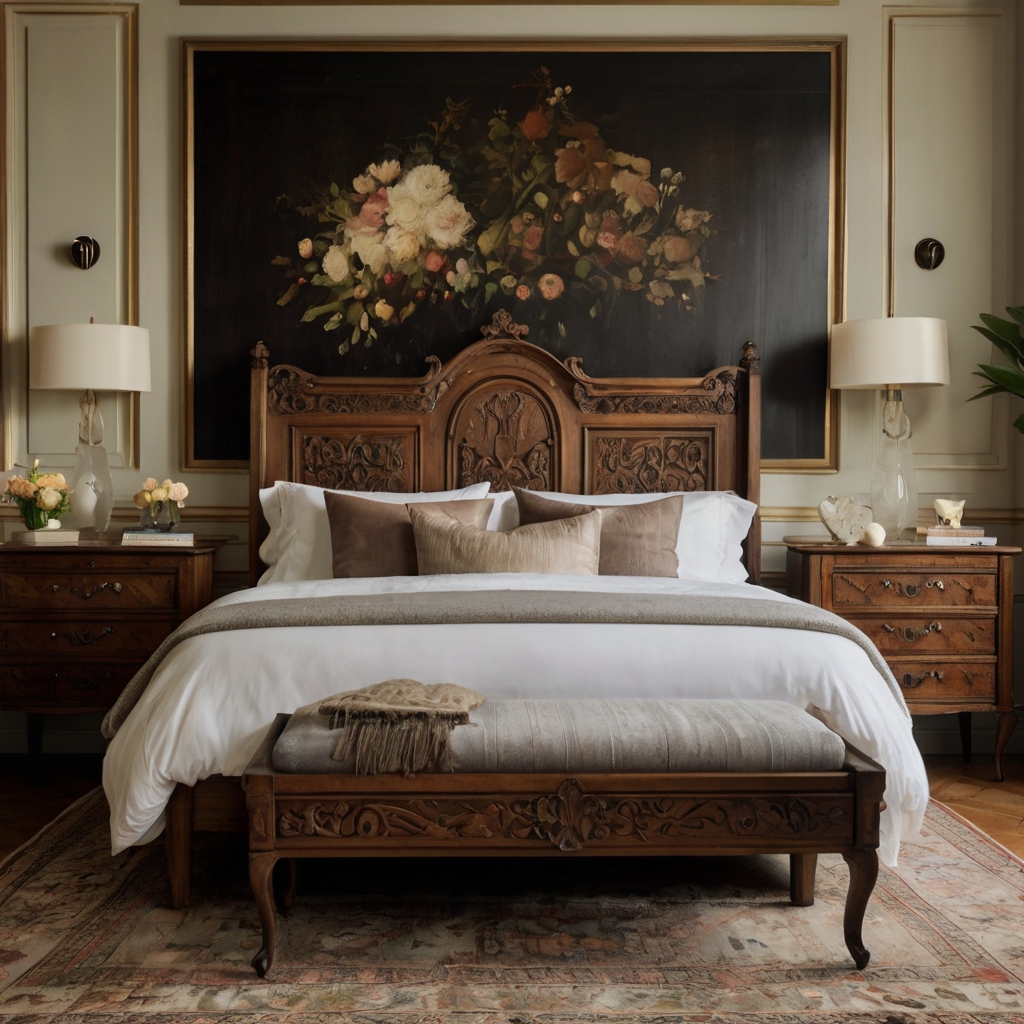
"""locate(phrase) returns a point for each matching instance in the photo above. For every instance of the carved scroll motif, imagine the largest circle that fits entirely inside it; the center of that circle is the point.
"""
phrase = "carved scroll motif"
(720, 395)
(507, 441)
(571, 818)
(292, 391)
(633, 465)
(503, 326)
(363, 463)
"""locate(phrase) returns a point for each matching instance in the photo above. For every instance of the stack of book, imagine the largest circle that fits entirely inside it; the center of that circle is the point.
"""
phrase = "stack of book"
(963, 537)
(155, 538)
(48, 536)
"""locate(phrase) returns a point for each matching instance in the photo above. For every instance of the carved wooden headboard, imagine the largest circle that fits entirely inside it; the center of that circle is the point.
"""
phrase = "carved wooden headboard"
(506, 411)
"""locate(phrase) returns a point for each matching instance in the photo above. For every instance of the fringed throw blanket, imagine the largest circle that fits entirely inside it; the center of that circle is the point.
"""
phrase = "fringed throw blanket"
(399, 725)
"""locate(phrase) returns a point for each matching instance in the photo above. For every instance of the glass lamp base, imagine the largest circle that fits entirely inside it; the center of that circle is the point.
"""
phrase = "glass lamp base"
(91, 488)
(893, 482)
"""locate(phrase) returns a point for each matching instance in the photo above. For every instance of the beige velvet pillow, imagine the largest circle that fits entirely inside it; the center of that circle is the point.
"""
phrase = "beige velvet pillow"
(371, 538)
(571, 546)
(636, 540)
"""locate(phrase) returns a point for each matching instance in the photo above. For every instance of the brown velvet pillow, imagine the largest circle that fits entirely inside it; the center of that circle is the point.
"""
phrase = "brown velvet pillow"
(375, 538)
(636, 540)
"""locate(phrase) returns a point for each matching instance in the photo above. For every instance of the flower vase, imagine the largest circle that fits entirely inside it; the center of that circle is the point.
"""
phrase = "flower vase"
(35, 518)
(158, 517)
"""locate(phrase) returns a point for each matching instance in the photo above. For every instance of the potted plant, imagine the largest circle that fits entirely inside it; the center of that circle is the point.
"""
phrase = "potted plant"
(1007, 337)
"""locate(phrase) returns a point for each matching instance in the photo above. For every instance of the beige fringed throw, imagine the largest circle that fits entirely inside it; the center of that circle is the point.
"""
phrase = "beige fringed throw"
(399, 725)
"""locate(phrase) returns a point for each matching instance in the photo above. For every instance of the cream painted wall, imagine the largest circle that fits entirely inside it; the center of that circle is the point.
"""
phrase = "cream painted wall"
(162, 23)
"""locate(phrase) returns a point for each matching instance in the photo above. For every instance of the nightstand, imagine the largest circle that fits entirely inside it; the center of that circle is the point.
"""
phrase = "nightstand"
(942, 618)
(77, 622)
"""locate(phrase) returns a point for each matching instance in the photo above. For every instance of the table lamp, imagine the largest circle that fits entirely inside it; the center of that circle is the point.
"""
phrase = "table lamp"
(888, 355)
(90, 357)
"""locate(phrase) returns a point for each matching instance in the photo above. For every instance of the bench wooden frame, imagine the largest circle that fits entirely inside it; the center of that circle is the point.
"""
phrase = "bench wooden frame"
(697, 814)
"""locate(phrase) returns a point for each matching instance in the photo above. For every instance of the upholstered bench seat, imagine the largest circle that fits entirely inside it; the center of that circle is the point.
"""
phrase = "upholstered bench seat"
(632, 735)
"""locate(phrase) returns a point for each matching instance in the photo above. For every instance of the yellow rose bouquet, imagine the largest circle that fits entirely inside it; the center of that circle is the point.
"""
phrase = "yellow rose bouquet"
(160, 503)
(40, 497)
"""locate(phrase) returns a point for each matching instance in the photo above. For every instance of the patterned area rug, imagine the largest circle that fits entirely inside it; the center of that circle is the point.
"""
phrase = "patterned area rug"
(86, 938)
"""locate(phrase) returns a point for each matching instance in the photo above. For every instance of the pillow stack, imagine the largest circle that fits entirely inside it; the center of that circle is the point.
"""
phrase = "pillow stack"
(317, 533)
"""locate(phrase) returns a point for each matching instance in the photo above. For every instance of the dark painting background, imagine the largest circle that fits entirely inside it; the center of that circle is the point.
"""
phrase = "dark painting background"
(750, 131)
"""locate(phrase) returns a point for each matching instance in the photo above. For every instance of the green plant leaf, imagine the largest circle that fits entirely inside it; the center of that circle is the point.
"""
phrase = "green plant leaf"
(985, 391)
(1017, 312)
(1006, 377)
(1019, 422)
(1005, 329)
(314, 311)
(1007, 349)
(293, 290)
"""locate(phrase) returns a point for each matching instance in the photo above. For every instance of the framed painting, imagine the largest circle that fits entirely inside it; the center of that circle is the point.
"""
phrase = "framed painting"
(646, 207)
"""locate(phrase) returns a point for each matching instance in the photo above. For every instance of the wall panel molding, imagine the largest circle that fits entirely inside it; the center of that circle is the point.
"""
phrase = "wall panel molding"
(69, 166)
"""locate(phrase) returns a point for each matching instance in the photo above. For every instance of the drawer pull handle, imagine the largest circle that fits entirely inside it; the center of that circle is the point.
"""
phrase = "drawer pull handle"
(86, 595)
(908, 682)
(910, 634)
(88, 637)
(912, 590)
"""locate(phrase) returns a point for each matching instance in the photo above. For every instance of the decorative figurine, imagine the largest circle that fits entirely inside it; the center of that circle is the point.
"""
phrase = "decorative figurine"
(845, 518)
(949, 513)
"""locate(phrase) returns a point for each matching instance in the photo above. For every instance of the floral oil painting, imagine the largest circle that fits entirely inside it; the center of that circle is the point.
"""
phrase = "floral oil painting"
(362, 210)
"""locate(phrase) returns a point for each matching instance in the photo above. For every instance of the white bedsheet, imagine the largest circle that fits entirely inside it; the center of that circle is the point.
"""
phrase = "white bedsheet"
(211, 701)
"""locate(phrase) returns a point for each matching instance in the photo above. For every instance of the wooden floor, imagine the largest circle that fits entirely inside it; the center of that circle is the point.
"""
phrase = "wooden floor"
(971, 790)
(33, 794)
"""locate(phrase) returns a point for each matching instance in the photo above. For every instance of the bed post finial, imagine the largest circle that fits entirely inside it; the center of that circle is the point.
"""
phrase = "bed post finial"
(260, 356)
(750, 360)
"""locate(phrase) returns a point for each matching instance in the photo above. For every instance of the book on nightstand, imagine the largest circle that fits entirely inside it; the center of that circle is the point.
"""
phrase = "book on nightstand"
(150, 538)
(964, 537)
(48, 536)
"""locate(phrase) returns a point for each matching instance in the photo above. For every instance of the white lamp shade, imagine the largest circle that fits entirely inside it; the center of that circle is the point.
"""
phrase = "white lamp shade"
(77, 357)
(897, 351)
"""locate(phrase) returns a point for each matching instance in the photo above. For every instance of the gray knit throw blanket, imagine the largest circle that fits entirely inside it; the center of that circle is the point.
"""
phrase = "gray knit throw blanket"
(400, 725)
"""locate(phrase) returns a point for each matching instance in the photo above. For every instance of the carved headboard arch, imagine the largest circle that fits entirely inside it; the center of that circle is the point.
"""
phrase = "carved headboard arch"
(506, 411)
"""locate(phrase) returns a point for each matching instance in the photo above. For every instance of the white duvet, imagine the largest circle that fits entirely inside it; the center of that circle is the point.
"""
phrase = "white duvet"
(212, 699)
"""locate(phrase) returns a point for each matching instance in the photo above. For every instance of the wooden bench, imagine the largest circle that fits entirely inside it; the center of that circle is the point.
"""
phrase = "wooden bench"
(802, 814)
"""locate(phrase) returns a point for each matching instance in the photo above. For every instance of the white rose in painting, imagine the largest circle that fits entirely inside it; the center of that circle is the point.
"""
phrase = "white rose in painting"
(48, 498)
(448, 222)
(402, 245)
(370, 249)
(405, 210)
(336, 263)
(386, 171)
(428, 184)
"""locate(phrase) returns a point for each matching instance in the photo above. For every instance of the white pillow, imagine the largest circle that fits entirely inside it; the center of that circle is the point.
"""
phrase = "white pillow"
(298, 546)
(712, 529)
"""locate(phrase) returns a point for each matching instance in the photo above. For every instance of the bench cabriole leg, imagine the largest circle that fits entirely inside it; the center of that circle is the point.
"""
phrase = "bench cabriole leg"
(288, 897)
(261, 877)
(802, 868)
(863, 865)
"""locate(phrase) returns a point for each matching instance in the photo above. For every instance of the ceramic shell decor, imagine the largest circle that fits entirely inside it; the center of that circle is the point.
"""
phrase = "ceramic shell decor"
(845, 518)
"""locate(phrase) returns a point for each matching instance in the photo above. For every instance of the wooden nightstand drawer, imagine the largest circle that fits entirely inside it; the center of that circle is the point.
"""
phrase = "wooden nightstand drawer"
(946, 680)
(86, 680)
(94, 590)
(897, 588)
(100, 636)
(909, 635)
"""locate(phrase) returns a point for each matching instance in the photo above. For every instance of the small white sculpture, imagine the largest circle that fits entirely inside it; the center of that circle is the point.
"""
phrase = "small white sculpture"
(845, 518)
(949, 513)
(874, 535)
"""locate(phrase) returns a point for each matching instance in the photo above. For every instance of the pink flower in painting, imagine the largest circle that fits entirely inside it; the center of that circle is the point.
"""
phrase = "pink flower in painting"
(435, 262)
(533, 237)
(535, 126)
(374, 208)
(551, 286)
(630, 250)
(523, 292)
(306, 248)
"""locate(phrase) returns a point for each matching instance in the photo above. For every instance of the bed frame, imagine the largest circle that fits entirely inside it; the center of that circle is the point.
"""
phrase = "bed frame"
(501, 410)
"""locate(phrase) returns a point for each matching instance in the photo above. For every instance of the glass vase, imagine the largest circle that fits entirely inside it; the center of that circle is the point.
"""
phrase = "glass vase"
(158, 517)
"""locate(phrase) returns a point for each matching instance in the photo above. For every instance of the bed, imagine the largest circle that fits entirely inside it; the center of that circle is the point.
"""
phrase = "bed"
(502, 412)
